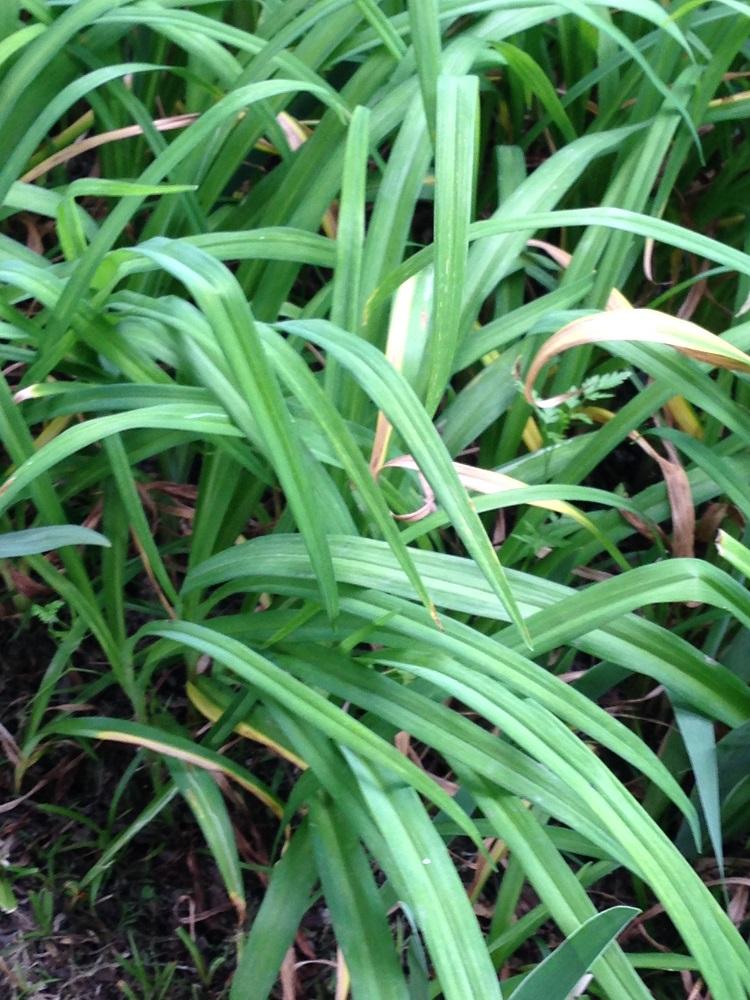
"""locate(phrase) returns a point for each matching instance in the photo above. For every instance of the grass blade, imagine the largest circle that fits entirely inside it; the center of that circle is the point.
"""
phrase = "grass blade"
(284, 904)
(457, 118)
(199, 790)
(32, 541)
(357, 912)
(397, 400)
(559, 973)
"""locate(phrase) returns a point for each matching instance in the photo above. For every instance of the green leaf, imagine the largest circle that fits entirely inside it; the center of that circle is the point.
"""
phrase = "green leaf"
(285, 902)
(167, 743)
(201, 793)
(8, 900)
(457, 124)
(299, 699)
(700, 742)
(216, 291)
(734, 552)
(346, 305)
(427, 879)
(393, 395)
(558, 974)
(530, 841)
(359, 917)
(537, 84)
(424, 23)
(32, 541)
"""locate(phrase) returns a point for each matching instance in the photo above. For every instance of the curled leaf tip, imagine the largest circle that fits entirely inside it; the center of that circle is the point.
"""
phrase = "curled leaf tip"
(28, 392)
(645, 326)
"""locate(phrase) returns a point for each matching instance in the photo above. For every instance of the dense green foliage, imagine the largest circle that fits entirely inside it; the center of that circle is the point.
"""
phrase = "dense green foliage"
(248, 248)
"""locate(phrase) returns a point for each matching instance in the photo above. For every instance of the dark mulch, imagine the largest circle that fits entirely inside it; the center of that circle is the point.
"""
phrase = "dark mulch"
(60, 943)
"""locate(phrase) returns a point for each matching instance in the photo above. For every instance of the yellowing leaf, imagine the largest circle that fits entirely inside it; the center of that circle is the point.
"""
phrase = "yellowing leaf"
(487, 481)
(646, 326)
(213, 710)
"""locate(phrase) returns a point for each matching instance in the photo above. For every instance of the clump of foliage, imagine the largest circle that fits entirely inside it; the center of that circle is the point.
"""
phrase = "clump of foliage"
(252, 256)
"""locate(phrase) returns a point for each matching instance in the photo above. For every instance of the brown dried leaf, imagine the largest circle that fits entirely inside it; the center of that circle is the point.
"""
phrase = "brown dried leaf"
(343, 980)
(94, 141)
(288, 976)
(680, 496)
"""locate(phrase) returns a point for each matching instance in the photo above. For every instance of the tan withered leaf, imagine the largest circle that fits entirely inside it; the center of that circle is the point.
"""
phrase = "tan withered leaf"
(616, 299)
(483, 481)
(676, 481)
(140, 736)
(288, 975)
(295, 132)
(396, 346)
(488, 481)
(343, 979)
(81, 146)
(647, 326)
(679, 494)
(681, 411)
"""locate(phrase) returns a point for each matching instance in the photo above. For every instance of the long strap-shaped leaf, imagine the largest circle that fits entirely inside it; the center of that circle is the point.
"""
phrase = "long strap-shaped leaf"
(656, 583)
(456, 584)
(614, 218)
(293, 371)
(219, 296)
(457, 110)
(359, 917)
(392, 394)
(32, 541)
(462, 741)
(39, 126)
(425, 35)
(171, 157)
(205, 800)
(299, 699)
(284, 904)
(561, 971)
(170, 744)
(641, 326)
(530, 842)
(427, 879)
